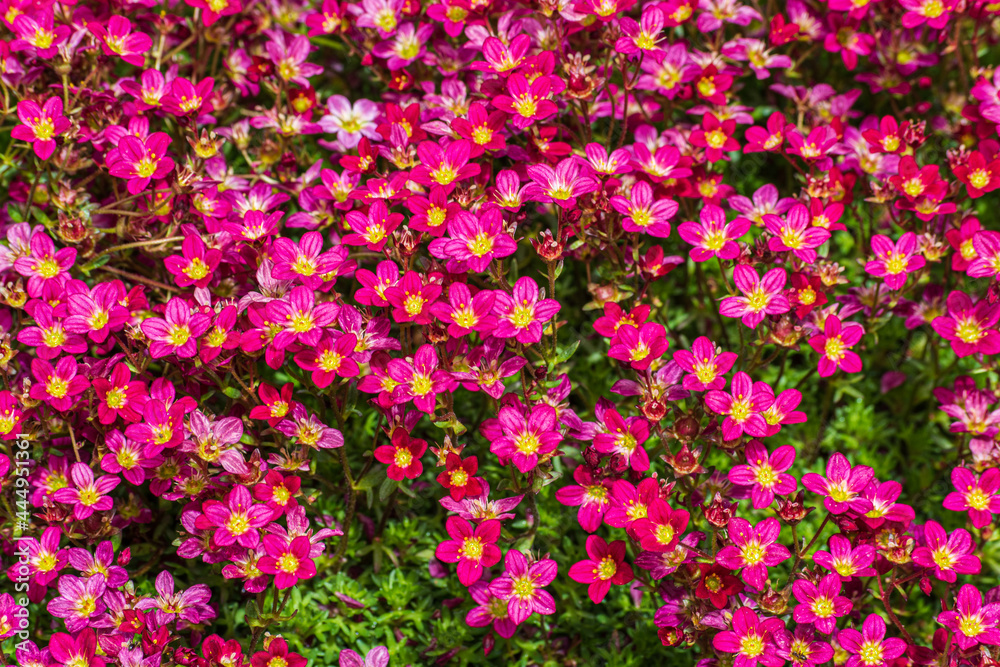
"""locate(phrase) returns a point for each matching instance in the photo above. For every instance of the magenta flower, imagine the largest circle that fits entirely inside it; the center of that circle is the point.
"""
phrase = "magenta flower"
(443, 165)
(37, 30)
(624, 437)
(644, 214)
(706, 366)
(81, 651)
(141, 161)
(87, 494)
(846, 560)
(80, 601)
(502, 58)
(968, 326)
(421, 380)
(490, 610)
(743, 406)
(892, 261)
(44, 266)
(465, 313)
(524, 442)
(605, 566)
(40, 125)
(473, 550)
(753, 548)
(562, 185)
(195, 264)
(118, 39)
(977, 496)
(290, 561)
(782, 410)
(948, 555)
(237, 520)
(58, 386)
(761, 297)
(752, 639)
(834, 346)
(630, 503)
(660, 530)
(972, 622)
(526, 102)
(794, 234)
(522, 313)
(870, 648)
(842, 486)
(329, 359)
(713, 236)
(820, 605)
(639, 347)
(474, 242)
(522, 586)
(177, 331)
(765, 474)
(49, 337)
(590, 494)
(303, 320)
(373, 229)
(127, 458)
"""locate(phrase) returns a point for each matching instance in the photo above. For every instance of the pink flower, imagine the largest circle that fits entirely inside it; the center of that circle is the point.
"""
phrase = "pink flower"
(845, 560)
(237, 520)
(972, 622)
(58, 386)
(118, 39)
(522, 313)
(80, 600)
(502, 58)
(715, 137)
(195, 264)
(713, 236)
(644, 214)
(289, 561)
(373, 229)
(870, 648)
(40, 125)
(590, 494)
(978, 496)
(753, 548)
(87, 494)
(761, 297)
(177, 332)
(119, 395)
(44, 266)
(794, 234)
(842, 485)
(765, 474)
(473, 550)
(624, 437)
(948, 555)
(421, 380)
(402, 456)
(742, 406)
(443, 165)
(525, 441)
(81, 651)
(630, 503)
(561, 185)
(834, 346)
(639, 347)
(474, 242)
(490, 609)
(465, 313)
(49, 337)
(706, 366)
(752, 639)
(526, 102)
(969, 326)
(141, 161)
(522, 586)
(660, 530)
(820, 605)
(329, 359)
(605, 566)
(894, 261)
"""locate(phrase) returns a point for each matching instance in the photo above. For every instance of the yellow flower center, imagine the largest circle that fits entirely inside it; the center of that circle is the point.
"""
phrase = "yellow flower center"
(472, 548)
(197, 269)
(57, 387)
(179, 334)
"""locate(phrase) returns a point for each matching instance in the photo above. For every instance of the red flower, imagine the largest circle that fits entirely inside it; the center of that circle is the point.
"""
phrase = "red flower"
(402, 456)
(459, 477)
(605, 566)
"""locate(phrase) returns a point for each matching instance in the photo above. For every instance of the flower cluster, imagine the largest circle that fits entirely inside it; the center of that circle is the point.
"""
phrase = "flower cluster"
(283, 281)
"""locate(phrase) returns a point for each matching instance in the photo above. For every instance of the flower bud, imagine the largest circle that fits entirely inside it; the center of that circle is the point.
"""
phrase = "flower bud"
(719, 512)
